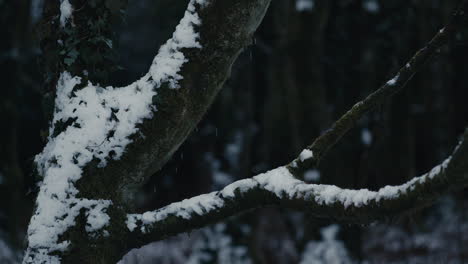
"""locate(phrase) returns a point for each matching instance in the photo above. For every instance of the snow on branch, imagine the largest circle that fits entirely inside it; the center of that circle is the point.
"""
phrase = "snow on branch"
(101, 119)
(281, 187)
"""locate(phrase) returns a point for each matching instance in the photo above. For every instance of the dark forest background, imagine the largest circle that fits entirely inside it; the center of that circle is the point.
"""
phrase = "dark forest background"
(309, 62)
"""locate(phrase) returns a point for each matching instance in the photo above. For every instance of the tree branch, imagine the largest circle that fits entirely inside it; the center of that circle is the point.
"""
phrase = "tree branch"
(280, 187)
(227, 27)
(327, 140)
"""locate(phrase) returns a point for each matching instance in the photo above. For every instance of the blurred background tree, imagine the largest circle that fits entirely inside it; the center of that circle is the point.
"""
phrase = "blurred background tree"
(308, 63)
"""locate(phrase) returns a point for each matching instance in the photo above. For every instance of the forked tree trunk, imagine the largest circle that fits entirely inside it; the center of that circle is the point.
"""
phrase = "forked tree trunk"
(83, 47)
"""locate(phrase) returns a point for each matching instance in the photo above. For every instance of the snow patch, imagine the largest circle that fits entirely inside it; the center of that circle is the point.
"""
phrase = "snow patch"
(312, 175)
(212, 244)
(198, 205)
(97, 218)
(328, 250)
(283, 184)
(371, 6)
(66, 11)
(242, 186)
(166, 65)
(306, 154)
(366, 137)
(393, 81)
(304, 5)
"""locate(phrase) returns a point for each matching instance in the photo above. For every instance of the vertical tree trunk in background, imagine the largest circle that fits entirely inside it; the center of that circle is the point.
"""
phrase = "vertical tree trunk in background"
(432, 89)
(15, 54)
(281, 97)
(400, 123)
(309, 64)
(295, 104)
(310, 59)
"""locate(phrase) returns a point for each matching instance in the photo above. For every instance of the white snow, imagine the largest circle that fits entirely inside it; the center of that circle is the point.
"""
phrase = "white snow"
(66, 11)
(312, 175)
(217, 239)
(279, 181)
(219, 177)
(36, 10)
(242, 186)
(304, 5)
(306, 154)
(213, 244)
(294, 164)
(366, 137)
(234, 148)
(97, 218)
(371, 6)
(166, 65)
(103, 120)
(442, 235)
(284, 185)
(392, 81)
(197, 205)
(328, 250)
(7, 254)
